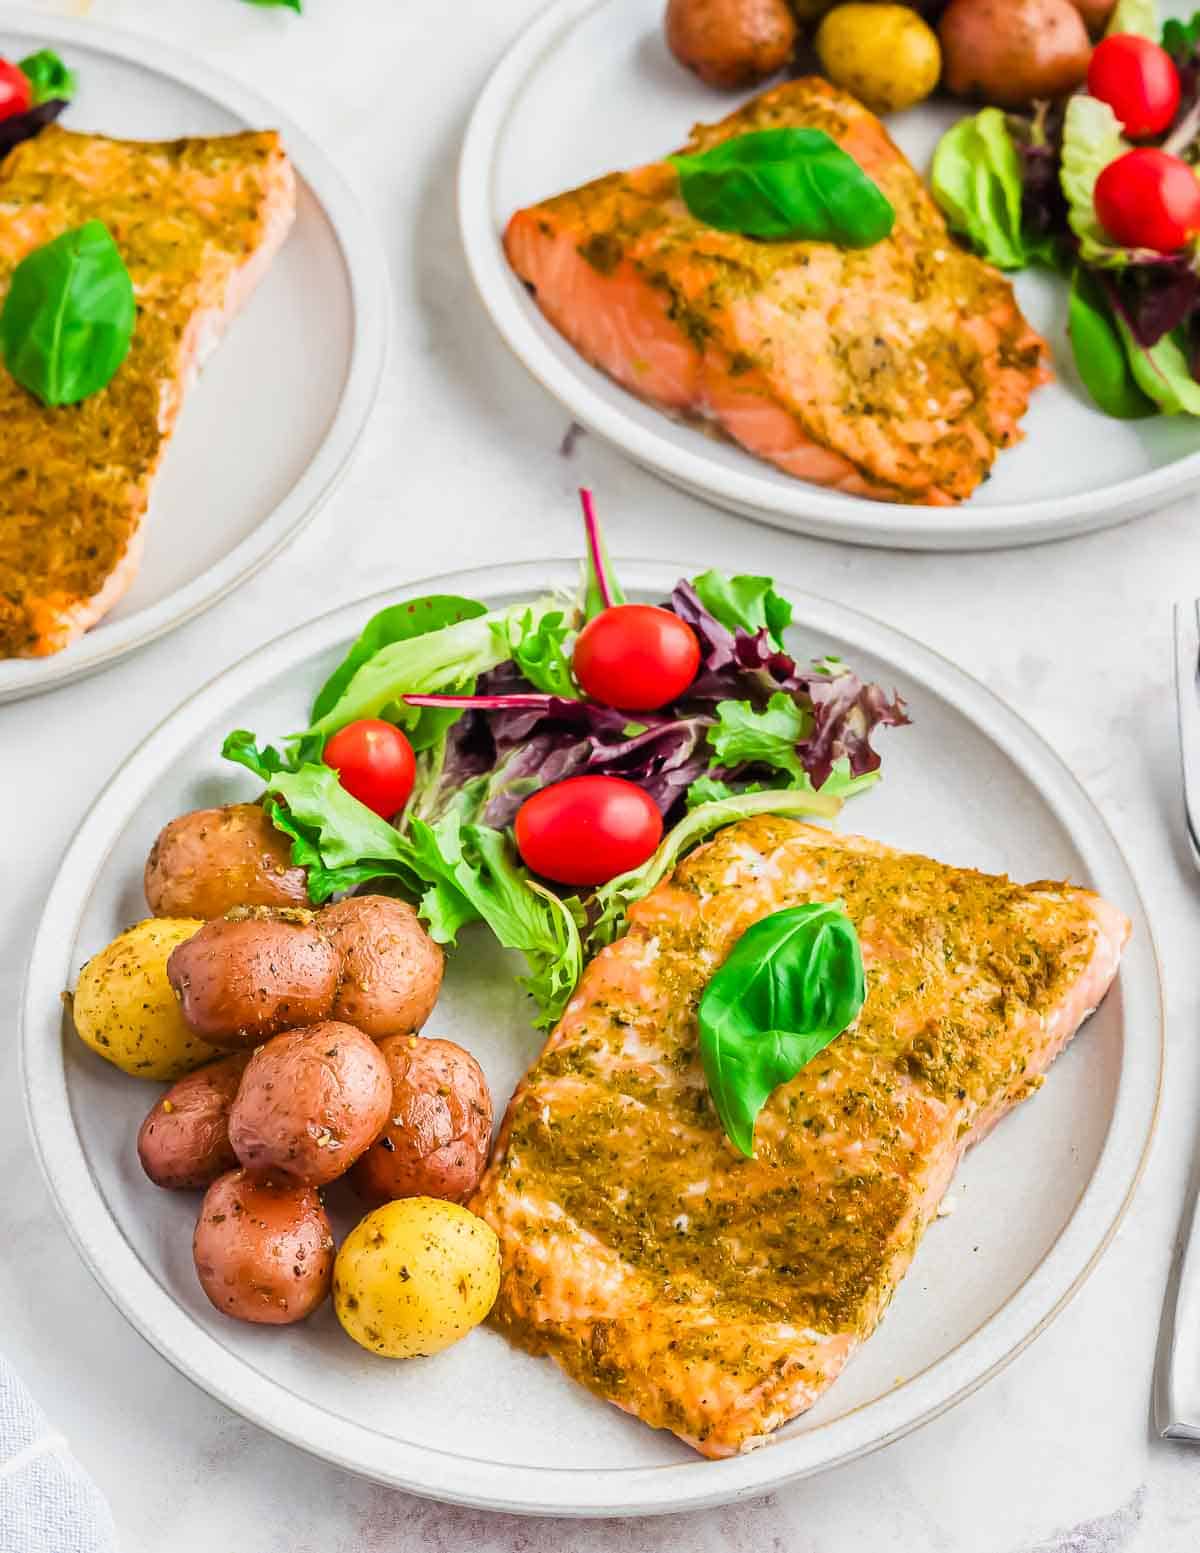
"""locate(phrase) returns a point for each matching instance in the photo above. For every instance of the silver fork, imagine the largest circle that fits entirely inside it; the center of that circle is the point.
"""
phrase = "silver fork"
(1177, 1385)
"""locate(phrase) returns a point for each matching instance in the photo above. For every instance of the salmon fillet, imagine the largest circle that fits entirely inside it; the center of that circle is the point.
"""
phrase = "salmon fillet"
(198, 223)
(717, 1296)
(895, 372)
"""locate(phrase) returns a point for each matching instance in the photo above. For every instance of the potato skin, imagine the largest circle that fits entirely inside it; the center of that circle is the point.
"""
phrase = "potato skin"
(252, 973)
(885, 54)
(415, 1276)
(1009, 52)
(439, 1133)
(184, 1142)
(125, 1010)
(263, 1248)
(311, 1102)
(391, 968)
(206, 862)
(1095, 14)
(731, 43)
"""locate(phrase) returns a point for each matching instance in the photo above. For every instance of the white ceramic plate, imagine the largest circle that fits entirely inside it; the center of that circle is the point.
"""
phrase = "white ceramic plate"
(270, 426)
(590, 88)
(484, 1424)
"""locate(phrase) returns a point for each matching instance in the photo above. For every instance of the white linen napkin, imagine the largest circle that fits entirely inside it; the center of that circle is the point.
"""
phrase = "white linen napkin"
(48, 1504)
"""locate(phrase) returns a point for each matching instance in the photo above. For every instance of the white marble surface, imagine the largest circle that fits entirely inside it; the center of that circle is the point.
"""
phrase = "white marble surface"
(464, 462)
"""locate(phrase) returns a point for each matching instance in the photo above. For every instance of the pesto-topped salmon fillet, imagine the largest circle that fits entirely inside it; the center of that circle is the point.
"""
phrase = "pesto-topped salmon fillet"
(896, 371)
(718, 1296)
(197, 222)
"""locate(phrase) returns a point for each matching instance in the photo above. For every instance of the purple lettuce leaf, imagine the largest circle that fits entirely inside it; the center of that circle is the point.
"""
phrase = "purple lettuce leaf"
(24, 126)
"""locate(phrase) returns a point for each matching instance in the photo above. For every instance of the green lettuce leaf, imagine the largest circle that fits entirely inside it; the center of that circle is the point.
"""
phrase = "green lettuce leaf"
(443, 660)
(1092, 139)
(743, 602)
(768, 737)
(612, 900)
(1135, 16)
(536, 647)
(397, 623)
(1163, 372)
(976, 179)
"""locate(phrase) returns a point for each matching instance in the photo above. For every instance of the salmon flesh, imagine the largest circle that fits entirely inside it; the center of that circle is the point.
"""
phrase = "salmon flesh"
(895, 372)
(718, 1296)
(197, 222)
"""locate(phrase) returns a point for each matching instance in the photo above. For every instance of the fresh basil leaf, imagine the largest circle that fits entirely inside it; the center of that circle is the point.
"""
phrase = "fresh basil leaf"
(792, 983)
(976, 179)
(1163, 372)
(446, 659)
(785, 184)
(241, 747)
(397, 623)
(1100, 355)
(1134, 16)
(536, 647)
(49, 78)
(612, 900)
(743, 735)
(68, 318)
(744, 603)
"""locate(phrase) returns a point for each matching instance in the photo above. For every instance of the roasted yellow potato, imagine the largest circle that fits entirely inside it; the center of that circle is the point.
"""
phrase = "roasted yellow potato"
(415, 1276)
(124, 1007)
(885, 54)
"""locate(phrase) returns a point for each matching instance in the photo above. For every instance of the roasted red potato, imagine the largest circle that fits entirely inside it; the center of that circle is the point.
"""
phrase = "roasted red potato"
(731, 42)
(437, 1140)
(254, 972)
(1011, 52)
(311, 1102)
(184, 1142)
(391, 968)
(206, 862)
(263, 1247)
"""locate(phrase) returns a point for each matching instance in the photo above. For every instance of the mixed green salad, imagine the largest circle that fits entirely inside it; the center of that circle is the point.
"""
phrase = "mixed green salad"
(1102, 188)
(487, 709)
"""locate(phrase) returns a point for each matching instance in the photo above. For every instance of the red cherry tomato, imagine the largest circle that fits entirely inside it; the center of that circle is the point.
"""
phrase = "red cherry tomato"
(1148, 199)
(1139, 82)
(587, 829)
(636, 657)
(374, 763)
(16, 93)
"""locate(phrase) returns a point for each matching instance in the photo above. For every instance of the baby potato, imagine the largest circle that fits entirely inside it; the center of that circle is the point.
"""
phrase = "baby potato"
(1009, 52)
(205, 862)
(731, 42)
(311, 1102)
(124, 1007)
(263, 1248)
(184, 1142)
(257, 970)
(885, 54)
(391, 968)
(437, 1141)
(415, 1276)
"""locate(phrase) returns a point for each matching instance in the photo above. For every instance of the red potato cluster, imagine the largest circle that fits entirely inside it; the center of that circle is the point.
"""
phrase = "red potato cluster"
(300, 999)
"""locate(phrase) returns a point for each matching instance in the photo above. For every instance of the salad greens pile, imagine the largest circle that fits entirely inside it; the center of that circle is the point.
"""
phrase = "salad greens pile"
(1021, 189)
(51, 88)
(490, 704)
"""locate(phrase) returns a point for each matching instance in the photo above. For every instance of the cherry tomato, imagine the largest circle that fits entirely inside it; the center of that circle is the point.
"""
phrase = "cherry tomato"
(1148, 199)
(16, 93)
(587, 829)
(1139, 82)
(636, 657)
(374, 763)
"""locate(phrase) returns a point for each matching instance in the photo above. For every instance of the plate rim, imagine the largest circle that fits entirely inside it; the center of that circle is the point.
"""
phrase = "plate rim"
(800, 507)
(365, 265)
(434, 1473)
